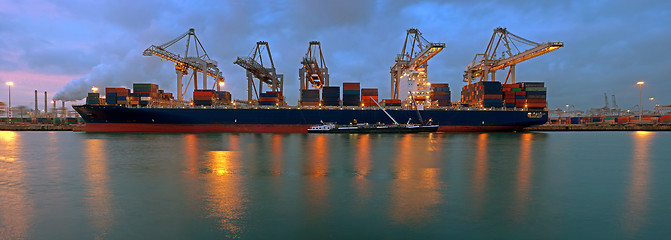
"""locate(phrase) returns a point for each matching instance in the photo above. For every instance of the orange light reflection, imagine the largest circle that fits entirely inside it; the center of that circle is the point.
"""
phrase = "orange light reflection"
(638, 192)
(317, 165)
(523, 176)
(480, 173)
(16, 209)
(362, 166)
(414, 194)
(225, 196)
(97, 181)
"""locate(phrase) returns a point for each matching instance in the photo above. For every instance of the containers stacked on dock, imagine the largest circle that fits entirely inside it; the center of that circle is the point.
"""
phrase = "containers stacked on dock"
(391, 102)
(351, 93)
(117, 95)
(93, 98)
(203, 97)
(309, 97)
(440, 94)
(269, 98)
(331, 96)
(369, 97)
(144, 93)
(482, 94)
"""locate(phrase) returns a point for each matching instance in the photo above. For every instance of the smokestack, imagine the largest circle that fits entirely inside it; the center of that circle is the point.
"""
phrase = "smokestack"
(45, 103)
(36, 110)
(63, 107)
(53, 110)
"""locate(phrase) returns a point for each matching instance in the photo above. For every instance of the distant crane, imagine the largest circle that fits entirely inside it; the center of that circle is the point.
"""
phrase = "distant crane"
(253, 63)
(314, 70)
(485, 63)
(198, 63)
(413, 58)
(605, 96)
(615, 107)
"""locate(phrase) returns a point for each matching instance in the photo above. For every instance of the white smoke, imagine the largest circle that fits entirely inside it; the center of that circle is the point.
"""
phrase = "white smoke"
(117, 71)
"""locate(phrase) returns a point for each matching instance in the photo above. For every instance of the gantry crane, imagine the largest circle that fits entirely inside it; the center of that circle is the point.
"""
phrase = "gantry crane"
(486, 63)
(198, 63)
(255, 69)
(414, 56)
(314, 68)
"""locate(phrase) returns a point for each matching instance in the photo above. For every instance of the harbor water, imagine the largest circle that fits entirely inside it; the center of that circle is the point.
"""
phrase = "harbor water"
(558, 185)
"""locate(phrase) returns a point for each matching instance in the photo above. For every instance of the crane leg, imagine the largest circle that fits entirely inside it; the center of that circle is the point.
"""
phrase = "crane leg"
(180, 74)
(204, 80)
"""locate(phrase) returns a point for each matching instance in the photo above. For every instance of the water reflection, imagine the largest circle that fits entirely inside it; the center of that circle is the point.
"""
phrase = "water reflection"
(416, 189)
(276, 161)
(636, 207)
(225, 195)
(480, 168)
(523, 176)
(316, 168)
(16, 209)
(362, 167)
(98, 198)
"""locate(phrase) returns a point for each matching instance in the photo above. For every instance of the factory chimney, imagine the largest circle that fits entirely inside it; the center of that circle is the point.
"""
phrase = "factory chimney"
(45, 104)
(36, 110)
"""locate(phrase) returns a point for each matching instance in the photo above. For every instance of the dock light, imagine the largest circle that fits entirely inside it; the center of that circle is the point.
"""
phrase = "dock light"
(221, 84)
(94, 89)
(640, 101)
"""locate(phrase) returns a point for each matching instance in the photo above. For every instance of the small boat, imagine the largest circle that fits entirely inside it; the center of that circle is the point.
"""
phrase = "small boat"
(372, 128)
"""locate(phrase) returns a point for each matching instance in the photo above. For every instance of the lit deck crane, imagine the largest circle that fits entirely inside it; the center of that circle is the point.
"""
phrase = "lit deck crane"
(486, 63)
(314, 68)
(255, 69)
(198, 63)
(414, 56)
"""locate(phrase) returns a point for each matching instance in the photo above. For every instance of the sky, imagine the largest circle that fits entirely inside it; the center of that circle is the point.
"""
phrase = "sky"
(64, 47)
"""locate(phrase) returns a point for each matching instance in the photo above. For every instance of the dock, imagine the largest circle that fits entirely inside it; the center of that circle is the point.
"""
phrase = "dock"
(600, 127)
(36, 127)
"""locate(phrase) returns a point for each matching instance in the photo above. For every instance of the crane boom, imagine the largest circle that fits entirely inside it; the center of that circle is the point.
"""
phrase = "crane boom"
(486, 63)
(314, 68)
(199, 63)
(255, 69)
(414, 56)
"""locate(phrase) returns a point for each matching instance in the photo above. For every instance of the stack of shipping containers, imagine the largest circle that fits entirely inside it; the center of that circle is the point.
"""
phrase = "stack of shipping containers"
(223, 97)
(143, 93)
(391, 102)
(536, 95)
(203, 97)
(351, 93)
(440, 94)
(117, 95)
(269, 98)
(309, 97)
(482, 94)
(530, 95)
(93, 98)
(331, 96)
(369, 97)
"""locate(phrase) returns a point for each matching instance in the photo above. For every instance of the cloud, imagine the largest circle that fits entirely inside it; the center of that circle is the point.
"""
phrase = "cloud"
(608, 45)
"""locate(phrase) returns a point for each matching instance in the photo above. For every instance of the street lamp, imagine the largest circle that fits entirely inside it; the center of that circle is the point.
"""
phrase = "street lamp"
(652, 104)
(640, 101)
(9, 109)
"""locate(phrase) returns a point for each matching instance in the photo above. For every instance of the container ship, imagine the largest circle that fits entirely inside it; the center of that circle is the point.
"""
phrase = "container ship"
(117, 113)
(485, 105)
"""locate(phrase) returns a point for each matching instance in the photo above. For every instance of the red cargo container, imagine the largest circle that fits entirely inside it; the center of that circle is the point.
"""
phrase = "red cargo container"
(351, 86)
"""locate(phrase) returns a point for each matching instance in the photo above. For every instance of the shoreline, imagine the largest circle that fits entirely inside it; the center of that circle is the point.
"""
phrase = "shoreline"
(36, 127)
(597, 127)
